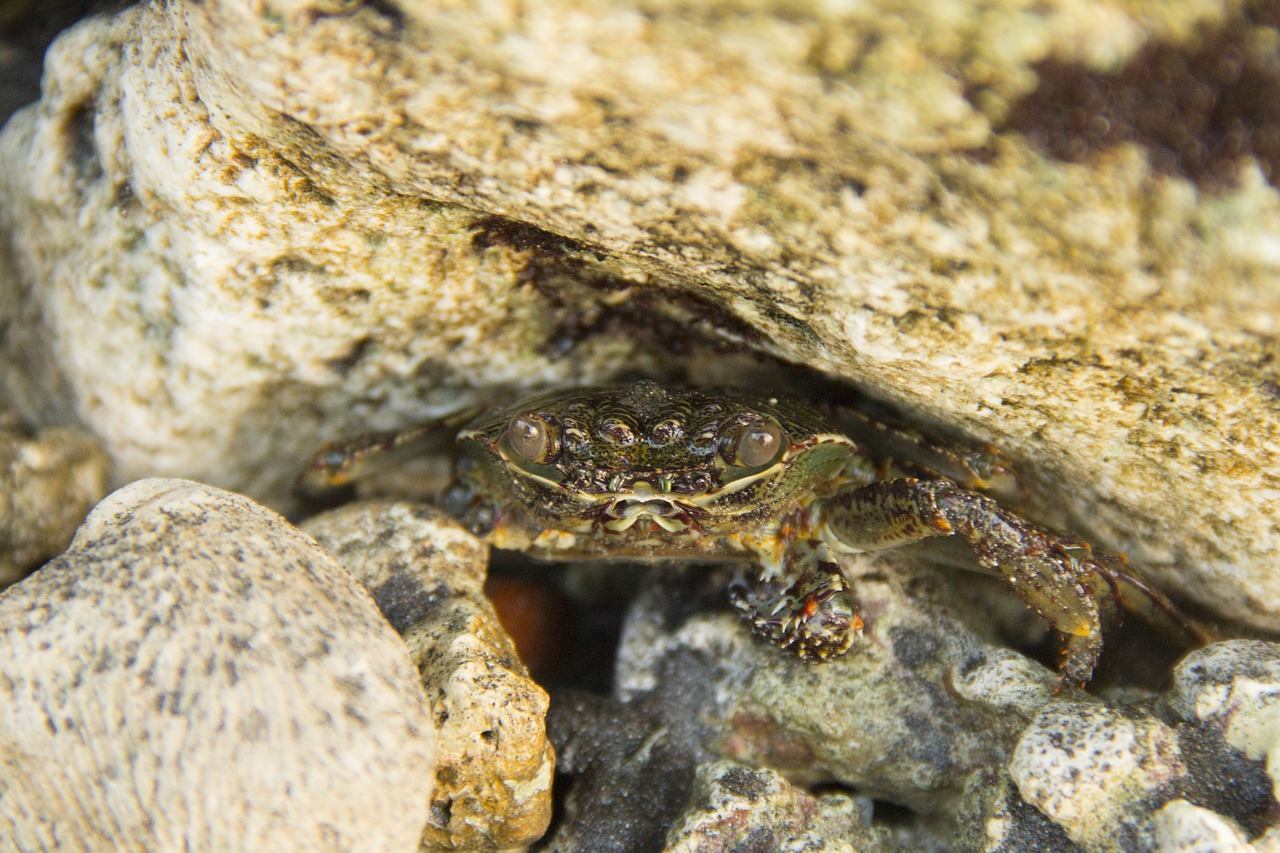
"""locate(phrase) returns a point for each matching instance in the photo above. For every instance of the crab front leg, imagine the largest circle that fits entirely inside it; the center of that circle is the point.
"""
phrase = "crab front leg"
(1058, 578)
(805, 608)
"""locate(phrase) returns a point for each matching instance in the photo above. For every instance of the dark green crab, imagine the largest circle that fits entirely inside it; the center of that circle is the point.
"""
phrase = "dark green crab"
(646, 471)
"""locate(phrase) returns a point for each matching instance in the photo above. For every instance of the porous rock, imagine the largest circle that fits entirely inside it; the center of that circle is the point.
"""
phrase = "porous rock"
(47, 485)
(494, 765)
(918, 703)
(737, 808)
(194, 673)
(254, 225)
(1098, 773)
(1234, 687)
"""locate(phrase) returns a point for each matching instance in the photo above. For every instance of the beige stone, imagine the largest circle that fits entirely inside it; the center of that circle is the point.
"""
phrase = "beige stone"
(48, 482)
(495, 764)
(1093, 770)
(282, 214)
(195, 674)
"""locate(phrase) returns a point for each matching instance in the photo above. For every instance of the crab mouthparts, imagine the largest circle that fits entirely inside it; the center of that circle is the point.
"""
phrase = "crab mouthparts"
(623, 512)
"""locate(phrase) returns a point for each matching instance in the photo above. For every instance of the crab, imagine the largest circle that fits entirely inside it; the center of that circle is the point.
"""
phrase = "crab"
(644, 471)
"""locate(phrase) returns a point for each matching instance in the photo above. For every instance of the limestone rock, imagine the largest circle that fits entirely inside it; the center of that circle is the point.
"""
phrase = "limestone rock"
(193, 673)
(495, 764)
(252, 226)
(1098, 773)
(734, 807)
(48, 482)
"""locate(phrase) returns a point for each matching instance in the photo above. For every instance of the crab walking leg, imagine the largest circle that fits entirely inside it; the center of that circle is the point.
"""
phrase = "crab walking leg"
(808, 609)
(341, 462)
(1056, 577)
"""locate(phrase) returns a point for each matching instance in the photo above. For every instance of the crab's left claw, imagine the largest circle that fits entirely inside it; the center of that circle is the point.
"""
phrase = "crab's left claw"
(809, 610)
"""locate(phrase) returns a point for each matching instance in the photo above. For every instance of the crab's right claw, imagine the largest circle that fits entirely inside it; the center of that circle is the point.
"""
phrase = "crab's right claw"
(808, 611)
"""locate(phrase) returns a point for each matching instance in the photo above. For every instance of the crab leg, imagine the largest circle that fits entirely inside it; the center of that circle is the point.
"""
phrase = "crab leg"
(1059, 578)
(341, 462)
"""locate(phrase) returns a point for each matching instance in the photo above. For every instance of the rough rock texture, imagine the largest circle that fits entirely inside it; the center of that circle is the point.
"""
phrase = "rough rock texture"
(737, 808)
(630, 765)
(919, 703)
(194, 673)
(48, 482)
(494, 764)
(972, 739)
(246, 226)
(1094, 772)
(993, 818)
(917, 706)
(1235, 688)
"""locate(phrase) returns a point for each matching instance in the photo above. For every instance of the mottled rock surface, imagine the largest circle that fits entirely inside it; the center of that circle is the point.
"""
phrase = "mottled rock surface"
(1234, 687)
(295, 220)
(924, 712)
(494, 763)
(48, 482)
(1096, 772)
(737, 808)
(194, 673)
(919, 703)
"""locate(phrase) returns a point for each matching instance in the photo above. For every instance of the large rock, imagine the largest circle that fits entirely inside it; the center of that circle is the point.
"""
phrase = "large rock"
(194, 673)
(249, 226)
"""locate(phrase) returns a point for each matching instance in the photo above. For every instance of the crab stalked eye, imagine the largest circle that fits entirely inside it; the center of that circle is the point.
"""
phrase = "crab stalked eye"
(533, 438)
(754, 444)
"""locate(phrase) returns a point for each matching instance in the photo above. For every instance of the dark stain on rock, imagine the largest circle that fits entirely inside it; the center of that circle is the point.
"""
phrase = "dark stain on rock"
(405, 601)
(1197, 107)
(914, 649)
(744, 783)
(344, 364)
(491, 231)
(1223, 780)
(585, 300)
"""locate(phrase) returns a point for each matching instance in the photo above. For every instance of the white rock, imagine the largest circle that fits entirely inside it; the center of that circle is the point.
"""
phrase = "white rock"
(1185, 828)
(194, 673)
(1093, 770)
(1235, 685)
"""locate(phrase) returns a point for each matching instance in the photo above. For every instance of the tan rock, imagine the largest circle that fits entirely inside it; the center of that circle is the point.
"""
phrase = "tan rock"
(48, 482)
(494, 770)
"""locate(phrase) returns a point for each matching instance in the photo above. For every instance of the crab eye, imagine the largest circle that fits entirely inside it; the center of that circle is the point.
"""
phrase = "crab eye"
(757, 443)
(533, 438)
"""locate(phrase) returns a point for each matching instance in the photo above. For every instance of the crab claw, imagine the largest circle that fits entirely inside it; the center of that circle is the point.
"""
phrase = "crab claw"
(809, 611)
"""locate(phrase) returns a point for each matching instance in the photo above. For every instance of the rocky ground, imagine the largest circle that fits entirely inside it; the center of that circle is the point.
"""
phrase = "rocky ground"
(233, 231)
